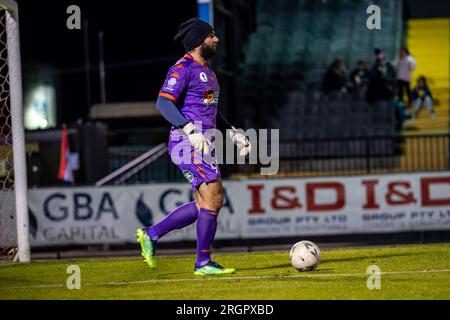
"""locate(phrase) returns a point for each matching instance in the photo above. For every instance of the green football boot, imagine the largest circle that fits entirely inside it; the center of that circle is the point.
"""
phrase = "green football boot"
(212, 268)
(147, 247)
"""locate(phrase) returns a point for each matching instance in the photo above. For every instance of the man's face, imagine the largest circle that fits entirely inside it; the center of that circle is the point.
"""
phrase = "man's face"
(209, 46)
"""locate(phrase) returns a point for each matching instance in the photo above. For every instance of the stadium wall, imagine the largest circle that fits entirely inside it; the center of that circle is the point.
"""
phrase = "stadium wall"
(253, 209)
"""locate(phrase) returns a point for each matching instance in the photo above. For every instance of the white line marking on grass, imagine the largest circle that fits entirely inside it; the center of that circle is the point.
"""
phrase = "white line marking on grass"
(303, 275)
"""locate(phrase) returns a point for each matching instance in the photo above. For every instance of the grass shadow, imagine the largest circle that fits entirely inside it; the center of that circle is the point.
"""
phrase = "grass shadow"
(278, 266)
(288, 265)
(369, 257)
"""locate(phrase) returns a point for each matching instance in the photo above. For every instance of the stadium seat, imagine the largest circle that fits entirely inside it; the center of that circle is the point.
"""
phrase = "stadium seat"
(314, 95)
(336, 127)
(358, 96)
(360, 107)
(296, 98)
(357, 131)
(360, 119)
(308, 132)
(383, 130)
(383, 112)
(295, 41)
(335, 108)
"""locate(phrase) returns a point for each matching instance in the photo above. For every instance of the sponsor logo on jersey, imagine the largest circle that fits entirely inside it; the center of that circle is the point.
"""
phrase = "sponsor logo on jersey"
(203, 77)
(172, 82)
(188, 175)
(211, 97)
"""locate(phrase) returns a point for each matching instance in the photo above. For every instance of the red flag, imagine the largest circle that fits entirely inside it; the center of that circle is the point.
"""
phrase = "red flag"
(65, 170)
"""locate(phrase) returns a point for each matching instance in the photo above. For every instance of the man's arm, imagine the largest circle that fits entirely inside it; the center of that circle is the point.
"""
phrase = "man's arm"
(170, 112)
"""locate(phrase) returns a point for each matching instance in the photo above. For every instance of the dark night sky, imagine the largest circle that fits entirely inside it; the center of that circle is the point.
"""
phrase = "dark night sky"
(134, 30)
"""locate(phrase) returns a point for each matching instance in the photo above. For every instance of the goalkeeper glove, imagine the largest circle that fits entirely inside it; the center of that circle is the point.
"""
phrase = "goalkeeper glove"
(197, 139)
(241, 141)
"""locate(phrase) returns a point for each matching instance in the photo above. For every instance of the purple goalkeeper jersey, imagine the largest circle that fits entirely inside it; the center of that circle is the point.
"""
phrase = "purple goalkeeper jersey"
(195, 91)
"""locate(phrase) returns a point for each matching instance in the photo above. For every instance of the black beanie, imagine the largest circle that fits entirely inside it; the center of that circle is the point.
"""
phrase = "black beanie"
(192, 33)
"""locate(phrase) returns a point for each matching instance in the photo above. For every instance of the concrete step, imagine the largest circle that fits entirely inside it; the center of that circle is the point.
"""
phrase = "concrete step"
(431, 23)
(438, 72)
(442, 103)
(411, 133)
(440, 113)
(427, 124)
(426, 54)
(414, 35)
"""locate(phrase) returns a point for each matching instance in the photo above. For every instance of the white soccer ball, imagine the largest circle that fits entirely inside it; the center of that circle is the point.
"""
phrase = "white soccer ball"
(305, 255)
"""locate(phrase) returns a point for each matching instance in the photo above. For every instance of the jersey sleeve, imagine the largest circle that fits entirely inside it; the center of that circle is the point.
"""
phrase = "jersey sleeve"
(175, 83)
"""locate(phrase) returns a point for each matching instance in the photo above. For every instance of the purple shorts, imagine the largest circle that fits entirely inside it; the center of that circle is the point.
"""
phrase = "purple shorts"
(194, 167)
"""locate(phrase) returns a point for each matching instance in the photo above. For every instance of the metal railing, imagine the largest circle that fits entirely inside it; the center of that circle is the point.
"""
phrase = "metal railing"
(320, 157)
(153, 167)
(365, 155)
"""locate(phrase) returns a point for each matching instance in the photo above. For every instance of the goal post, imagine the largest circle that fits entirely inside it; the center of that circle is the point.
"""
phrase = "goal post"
(12, 135)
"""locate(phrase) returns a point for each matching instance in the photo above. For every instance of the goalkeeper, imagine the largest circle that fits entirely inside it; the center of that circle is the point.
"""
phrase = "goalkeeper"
(188, 100)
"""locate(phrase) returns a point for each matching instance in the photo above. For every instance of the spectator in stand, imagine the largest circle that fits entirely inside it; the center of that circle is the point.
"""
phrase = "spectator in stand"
(381, 79)
(335, 78)
(360, 76)
(401, 114)
(421, 96)
(404, 65)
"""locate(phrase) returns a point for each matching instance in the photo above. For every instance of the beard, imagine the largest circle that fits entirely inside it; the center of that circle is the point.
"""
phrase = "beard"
(207, 52)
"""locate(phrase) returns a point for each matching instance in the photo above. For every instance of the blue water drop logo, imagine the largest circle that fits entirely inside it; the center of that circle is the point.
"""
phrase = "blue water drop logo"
(143, 212)
(33, 225)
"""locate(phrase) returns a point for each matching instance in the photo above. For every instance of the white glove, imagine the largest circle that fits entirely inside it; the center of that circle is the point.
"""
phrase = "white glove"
(197, 139)
(241, 141)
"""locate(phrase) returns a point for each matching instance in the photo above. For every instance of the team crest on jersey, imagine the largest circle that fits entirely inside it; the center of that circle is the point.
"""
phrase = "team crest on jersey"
(203, 77)
(211, 97)
(188, 175)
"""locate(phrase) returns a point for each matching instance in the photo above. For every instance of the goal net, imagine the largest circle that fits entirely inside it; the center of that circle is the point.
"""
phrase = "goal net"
(13, 184)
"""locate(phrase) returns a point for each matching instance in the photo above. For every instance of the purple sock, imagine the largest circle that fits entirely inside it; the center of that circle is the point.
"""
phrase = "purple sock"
(206, 230)
(179, 218)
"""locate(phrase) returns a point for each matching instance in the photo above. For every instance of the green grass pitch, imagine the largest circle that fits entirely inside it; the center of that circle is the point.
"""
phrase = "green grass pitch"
(407, 272)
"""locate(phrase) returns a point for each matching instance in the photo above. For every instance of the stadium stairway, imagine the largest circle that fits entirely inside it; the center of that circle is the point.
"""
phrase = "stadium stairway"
(429, 42)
